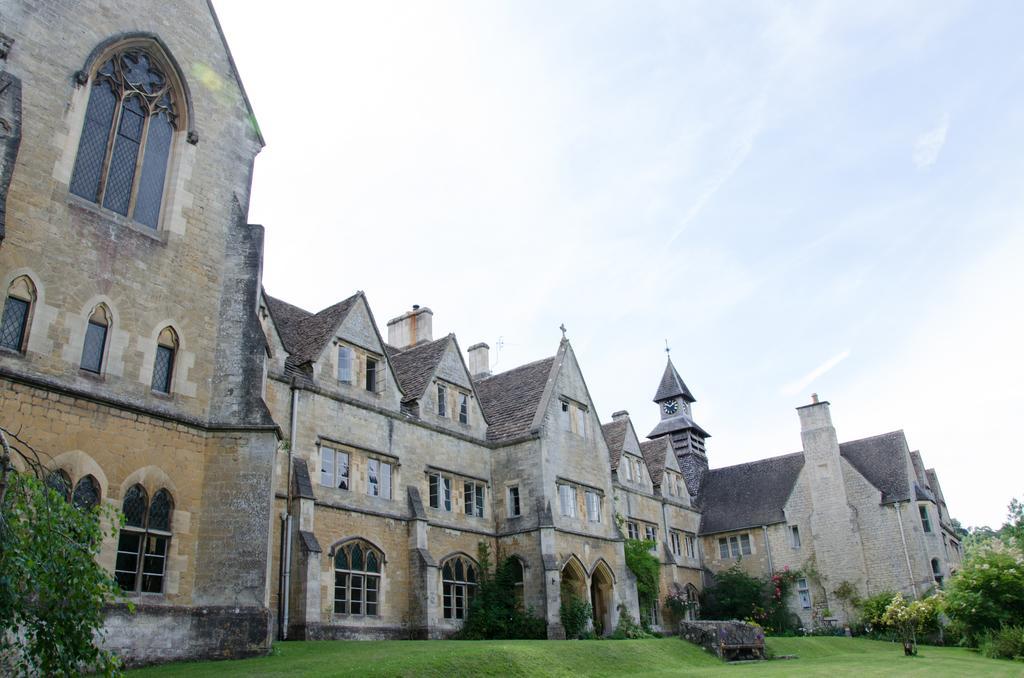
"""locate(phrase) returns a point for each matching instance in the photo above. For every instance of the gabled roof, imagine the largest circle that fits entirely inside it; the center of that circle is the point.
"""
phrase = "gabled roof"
(679, 422)
(655, 452)
(881, 460)
(748, 495)
(510, 400)
(305, 334)
(414, 366)
(672, 385)
(615, 436)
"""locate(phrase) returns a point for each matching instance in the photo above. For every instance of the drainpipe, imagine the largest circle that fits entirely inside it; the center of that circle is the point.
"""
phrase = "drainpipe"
(286, 522)
(906, 552)
(768, 549)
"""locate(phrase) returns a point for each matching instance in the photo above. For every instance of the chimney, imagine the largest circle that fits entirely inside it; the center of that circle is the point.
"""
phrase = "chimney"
(621, 414)
(479, 360)
(411, 328)
(815, 416)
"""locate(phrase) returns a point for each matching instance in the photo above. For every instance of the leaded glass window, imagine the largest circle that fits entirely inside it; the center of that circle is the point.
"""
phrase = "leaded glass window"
(357, 575)
(95, 340)
(59, 482)
(459, 580)
(12, 330)
(87, 494)
(126, 138)
(163, 364)
(142, 546)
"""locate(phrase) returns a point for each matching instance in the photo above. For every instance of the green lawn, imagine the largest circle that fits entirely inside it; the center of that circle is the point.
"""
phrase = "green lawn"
(666, 656)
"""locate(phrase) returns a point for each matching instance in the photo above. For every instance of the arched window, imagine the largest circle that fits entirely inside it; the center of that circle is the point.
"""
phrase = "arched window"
(458, 580)
(126, 138)
(357, 572)
(87, 494)
(21, 294)
(144, 540)
(59, 482)
(692, 602)
(515, 567)
(95, 347)
(163, 365)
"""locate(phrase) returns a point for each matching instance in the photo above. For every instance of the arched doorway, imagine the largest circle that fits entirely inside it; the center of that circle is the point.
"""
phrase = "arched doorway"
(601, 588)
(574, 579)
(693, 602)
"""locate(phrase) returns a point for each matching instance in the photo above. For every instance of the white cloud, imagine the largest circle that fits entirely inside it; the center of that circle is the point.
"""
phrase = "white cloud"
(796, 387)
(929, 144)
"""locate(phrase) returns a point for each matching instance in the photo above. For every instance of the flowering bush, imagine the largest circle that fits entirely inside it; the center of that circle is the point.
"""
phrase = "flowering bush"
(677, 602)
(988, 592)
(738, 595)
(910, 619)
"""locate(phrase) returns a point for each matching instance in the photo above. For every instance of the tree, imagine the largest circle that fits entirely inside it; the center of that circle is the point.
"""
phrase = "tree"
(910, 619)
(52, 591)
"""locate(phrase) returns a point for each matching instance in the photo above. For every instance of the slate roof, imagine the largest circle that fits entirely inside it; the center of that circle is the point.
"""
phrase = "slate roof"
(880, 459)
(413, 366)
(510, 399)
(747, 495)
(654, 452)
(672, 385)
(615, 436)
(304, 334)
(679, 422)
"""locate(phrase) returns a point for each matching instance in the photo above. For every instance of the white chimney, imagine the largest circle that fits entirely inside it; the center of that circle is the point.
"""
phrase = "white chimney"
(621, 414)
(411, 328)
(479, 360)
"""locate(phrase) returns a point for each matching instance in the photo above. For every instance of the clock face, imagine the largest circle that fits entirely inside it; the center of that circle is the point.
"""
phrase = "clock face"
(671, 407)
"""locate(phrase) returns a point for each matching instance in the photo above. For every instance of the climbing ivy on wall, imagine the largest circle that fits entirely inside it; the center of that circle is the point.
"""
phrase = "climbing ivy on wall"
(644, 565)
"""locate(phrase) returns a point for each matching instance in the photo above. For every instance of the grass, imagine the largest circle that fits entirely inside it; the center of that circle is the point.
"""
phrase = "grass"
(666, 656)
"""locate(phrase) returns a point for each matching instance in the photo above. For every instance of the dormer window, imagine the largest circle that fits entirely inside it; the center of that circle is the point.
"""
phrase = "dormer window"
(574, 417)
(442, 400)
(463, 408)
(345, 356)
(372, 379)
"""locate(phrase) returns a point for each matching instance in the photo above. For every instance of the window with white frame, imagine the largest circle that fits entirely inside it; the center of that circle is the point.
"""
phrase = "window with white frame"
(794, 536)
(440, 491)
(515, 509)
(345, 361)
(334, 468)
(627, 465)
(378, 478)
(804, 593)
(593, 506)
(357, 575)
(458, 580)
(691, 546)
(650, 533)
(442, 400)
(473, 498)
(734, 546)
(374, 375)
(631, 530)
(567, 500)
(463, 408)
(677, 547)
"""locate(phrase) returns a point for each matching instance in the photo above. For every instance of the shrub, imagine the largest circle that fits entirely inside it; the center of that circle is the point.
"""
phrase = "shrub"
(627, 627)
(495, 613)
(574, 613)
(988, 593)
(872, 609)
(738, 595)
(910, 619)
(1006, 643)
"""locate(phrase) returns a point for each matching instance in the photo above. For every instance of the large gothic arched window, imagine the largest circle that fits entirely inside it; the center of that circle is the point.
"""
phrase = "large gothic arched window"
(126, 138)
(143, 541)
(357, 572)
(458, 579)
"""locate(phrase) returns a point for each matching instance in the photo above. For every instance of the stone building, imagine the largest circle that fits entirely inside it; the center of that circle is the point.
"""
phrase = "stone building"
(294, 474)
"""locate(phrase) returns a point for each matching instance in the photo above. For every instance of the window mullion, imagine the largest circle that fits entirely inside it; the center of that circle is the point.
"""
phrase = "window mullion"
(111, 140)
(137, 176)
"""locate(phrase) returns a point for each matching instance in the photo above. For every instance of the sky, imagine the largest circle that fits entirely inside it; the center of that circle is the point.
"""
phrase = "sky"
(798, 197)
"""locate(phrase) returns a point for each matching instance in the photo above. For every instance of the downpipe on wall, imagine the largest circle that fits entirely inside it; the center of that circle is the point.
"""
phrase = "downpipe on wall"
(286, 524)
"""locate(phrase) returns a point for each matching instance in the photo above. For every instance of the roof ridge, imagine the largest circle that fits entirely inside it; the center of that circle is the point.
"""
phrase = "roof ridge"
(519, 367)
(898, 431)
(751, 463)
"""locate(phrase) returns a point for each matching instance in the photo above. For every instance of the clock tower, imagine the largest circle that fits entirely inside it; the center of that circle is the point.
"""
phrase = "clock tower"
(675, 403)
